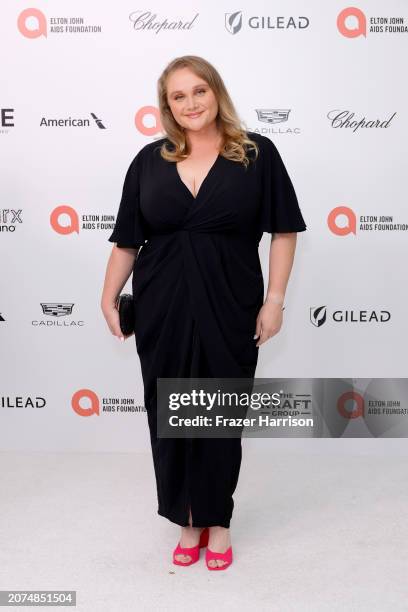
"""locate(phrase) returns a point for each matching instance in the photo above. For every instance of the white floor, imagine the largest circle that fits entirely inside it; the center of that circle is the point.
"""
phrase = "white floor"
(310, 532)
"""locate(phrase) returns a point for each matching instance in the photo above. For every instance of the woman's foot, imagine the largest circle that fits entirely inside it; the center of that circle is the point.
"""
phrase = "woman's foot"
(190, 536)
(219, 541)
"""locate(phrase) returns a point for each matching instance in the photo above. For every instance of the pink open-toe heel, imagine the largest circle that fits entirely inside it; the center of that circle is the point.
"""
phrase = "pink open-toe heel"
(193, 552)
(227, 556)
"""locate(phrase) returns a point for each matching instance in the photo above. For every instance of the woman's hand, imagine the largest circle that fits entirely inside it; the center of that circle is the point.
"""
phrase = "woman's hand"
(118, 270)
(268, 322)
(111, 314)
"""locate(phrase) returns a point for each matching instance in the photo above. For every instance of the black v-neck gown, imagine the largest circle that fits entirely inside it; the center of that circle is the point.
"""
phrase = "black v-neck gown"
(198, 287)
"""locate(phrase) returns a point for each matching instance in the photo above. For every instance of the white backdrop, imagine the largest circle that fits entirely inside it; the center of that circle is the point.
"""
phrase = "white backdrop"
(311, 73)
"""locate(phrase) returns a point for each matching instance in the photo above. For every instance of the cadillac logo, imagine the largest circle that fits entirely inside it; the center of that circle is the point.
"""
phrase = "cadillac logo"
(56, 309)
(273, 115)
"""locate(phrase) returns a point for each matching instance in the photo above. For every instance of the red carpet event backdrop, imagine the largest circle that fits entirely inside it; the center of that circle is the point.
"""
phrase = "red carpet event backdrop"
(324, 81)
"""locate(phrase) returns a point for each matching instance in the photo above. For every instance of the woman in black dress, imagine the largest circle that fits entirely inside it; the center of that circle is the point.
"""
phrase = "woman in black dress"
(194, 207)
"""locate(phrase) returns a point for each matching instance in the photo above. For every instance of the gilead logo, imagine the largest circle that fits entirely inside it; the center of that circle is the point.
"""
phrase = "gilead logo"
(342, 230)
(73, 225)
(38, 16)
(90, 395)
(360, 30)
(358, 411)
(148, 111)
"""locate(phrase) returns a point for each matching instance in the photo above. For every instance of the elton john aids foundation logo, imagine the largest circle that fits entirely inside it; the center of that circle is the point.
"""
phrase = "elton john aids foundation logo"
(33, 23)
(147, 120)
(90, 397)
(342, 221)
(59, 215)
(357, 405)
(65, 220)
(351, 28)
(352, 23)
(335, 221)
(86, 403)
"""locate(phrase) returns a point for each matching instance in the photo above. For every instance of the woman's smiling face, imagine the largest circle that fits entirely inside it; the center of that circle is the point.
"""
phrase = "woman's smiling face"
(191, 99)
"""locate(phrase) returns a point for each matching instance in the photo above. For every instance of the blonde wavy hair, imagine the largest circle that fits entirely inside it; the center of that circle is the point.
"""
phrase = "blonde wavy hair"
(236, 142)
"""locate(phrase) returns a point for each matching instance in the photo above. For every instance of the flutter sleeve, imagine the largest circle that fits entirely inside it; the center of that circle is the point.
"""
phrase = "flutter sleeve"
(280, 210)
(130, 228)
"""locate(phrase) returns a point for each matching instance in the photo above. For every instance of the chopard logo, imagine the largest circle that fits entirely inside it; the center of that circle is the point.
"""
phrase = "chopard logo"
(146, 20)
(345, 119)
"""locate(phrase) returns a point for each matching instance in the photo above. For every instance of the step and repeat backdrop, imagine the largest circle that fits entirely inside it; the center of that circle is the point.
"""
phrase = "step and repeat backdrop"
(324, 80)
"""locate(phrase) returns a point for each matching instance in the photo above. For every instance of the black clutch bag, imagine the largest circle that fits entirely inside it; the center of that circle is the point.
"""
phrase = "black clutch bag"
(124, 305)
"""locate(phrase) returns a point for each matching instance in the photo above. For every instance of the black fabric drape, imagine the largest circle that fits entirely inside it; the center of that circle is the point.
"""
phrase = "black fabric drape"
(198, 288)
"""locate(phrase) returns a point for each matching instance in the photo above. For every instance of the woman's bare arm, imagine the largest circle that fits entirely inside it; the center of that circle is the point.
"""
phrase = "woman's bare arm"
(281, 257)
(119, 268)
